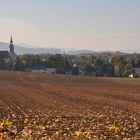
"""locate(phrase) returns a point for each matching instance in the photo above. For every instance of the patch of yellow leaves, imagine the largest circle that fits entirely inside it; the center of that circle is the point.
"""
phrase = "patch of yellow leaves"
(6, 123)
(113, 128)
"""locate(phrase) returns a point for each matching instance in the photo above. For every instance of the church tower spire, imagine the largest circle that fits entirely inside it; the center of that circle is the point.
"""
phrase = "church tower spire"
(11, 40)
(11, 45)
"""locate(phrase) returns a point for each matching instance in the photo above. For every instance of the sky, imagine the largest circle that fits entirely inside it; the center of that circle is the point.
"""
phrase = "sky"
(96, 25)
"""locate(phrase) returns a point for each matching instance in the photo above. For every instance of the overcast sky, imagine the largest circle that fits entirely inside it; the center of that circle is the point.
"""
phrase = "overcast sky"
(83, 24)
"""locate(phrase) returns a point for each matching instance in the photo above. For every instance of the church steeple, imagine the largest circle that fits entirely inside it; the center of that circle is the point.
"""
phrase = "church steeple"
(11, 45)
(11, 40)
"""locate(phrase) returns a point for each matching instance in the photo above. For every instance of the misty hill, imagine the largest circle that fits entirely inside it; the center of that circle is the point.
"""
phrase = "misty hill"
(26, 50)
(30, 49)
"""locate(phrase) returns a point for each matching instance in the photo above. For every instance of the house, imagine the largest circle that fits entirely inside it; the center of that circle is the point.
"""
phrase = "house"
(39, 69)
(135, 74)
(131, 75)
(4, 54)
(75, 69)
(51, 70)
(43, 69)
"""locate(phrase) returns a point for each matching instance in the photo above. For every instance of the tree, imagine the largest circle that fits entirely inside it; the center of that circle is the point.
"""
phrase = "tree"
(99, 67)
(128, 69)
(18, 65)
(55, 61)
(119, 69)
(88, 70)
(37, 60)
(75, 71)
(67, 66)
(119, 65)
(98, 63)
(30, 60)
(2, 63)
(93, 59)
(118, 59)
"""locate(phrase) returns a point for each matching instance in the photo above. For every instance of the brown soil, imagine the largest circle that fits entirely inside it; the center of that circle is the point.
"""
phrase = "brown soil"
(42, 106)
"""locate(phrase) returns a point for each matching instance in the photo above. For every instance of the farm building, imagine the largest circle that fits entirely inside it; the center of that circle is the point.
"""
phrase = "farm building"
(136, 73)
(39, 69)
(51, 70)
(42, 69)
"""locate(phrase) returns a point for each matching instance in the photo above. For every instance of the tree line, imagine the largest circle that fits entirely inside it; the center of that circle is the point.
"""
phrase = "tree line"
(118, 65)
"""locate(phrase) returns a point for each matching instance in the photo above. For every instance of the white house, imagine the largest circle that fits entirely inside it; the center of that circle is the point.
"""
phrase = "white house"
(131, 75)
(51, 70)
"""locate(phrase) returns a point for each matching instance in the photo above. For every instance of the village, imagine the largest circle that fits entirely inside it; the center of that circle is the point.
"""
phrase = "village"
(109, 65)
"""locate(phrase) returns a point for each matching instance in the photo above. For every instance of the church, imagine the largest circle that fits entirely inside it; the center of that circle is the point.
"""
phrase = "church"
(8, 55)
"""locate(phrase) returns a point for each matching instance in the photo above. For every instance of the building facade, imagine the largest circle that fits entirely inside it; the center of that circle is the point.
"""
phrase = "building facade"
(8, 55)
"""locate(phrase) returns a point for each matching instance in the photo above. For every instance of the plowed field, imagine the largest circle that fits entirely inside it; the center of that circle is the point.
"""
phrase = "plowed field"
(41, 106)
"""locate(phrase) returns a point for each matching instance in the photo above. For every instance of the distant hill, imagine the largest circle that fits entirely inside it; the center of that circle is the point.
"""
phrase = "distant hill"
(30, 49)
(25, 50)
(81, 52)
